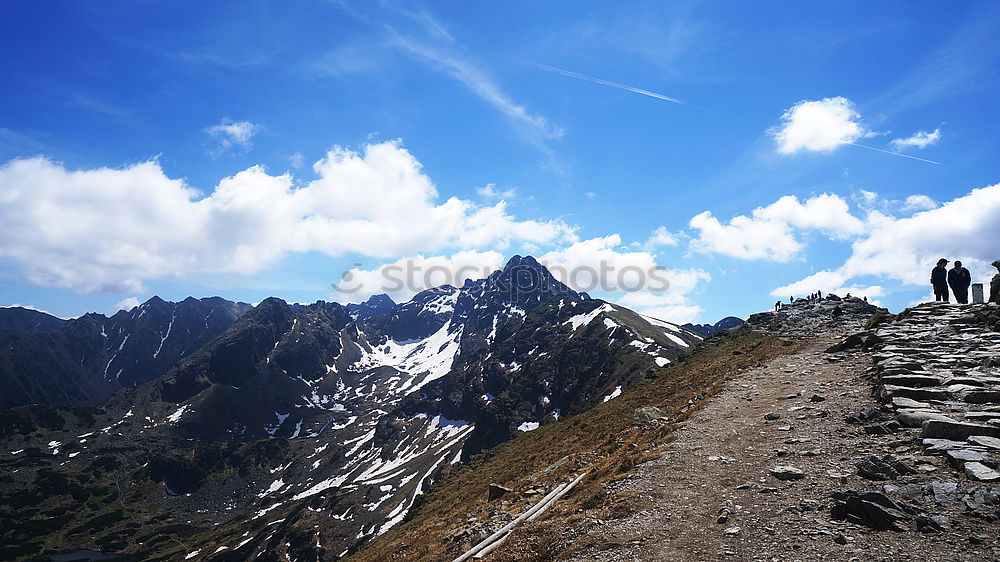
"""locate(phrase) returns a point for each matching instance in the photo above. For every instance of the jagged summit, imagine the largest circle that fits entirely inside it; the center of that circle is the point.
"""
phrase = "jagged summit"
(375, 305)
(525, 281)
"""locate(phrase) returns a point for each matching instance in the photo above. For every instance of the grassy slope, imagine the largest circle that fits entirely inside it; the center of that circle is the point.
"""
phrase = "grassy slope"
(601, 441)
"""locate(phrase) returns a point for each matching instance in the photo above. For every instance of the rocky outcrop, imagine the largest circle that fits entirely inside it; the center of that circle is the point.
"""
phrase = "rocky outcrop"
(816, 317)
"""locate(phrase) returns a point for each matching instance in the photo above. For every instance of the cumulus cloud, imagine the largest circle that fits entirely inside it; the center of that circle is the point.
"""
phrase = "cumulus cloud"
(232, 134)
(918, 203)
(769, 233)
(125, 304)
(661, 237)
(920, 139)
(406, 277)
(109, 229)
(905, 249)
(632, 278)
(818, 126)
(673, 305)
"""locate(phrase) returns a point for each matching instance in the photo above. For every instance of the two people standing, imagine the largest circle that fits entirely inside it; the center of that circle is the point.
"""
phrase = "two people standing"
(958, 278)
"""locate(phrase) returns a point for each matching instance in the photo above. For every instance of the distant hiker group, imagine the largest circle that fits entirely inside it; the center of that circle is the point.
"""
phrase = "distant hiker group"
(817, 296)
(958, 278)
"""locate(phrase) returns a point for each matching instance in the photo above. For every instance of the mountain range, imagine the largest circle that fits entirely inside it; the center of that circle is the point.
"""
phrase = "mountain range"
(326, 421)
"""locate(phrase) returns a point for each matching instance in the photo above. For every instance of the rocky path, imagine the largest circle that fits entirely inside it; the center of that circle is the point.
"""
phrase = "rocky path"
(796, 460)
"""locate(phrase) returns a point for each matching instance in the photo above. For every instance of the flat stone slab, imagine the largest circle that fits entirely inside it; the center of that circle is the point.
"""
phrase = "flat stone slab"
(982, 417)
(787, 473)
(981, 472)
(957, 431)
(891, 390)
(916, 418)
(988, 442)
(909, 403)
(911, 380)
(979, 396)
(960, 456)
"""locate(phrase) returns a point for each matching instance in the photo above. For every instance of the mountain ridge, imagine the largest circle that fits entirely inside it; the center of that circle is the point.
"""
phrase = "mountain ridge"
(339, 409)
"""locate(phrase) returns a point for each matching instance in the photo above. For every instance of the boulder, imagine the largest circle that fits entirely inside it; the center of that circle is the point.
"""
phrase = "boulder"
(885, 468)
(944, 492)
(648, 415)
(933, 524)
(497, 491)
(787, 473)
(870, 509)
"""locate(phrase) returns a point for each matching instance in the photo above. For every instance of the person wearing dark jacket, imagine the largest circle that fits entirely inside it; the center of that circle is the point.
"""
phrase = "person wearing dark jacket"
(939, 280)
(959, 280)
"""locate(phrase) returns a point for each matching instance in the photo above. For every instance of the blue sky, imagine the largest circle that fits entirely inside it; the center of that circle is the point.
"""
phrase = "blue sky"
(458, 135)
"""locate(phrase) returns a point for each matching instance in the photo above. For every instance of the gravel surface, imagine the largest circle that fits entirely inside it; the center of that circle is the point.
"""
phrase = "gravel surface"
(752, 477)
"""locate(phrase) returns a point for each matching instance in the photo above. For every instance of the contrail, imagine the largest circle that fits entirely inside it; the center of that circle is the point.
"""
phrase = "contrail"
(891, 152)
(608, 83)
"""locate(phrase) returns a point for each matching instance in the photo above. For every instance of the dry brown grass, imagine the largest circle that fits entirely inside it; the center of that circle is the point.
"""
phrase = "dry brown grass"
(601, 441)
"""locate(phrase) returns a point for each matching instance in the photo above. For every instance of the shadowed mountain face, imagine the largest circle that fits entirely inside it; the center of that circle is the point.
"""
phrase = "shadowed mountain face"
(365, 406)
(84, 360)
(17, 319)
(706, 330)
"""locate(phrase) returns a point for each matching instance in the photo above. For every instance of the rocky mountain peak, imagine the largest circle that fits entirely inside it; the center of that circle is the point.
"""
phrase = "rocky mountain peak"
(375, 305)
(526, 282)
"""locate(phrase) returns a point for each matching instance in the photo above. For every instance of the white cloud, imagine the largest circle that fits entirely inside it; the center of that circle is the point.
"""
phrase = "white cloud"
(677, 313)
(632, 278)
(906, 249)
(826, 212)
(744, 238)
(818, 126)
(661, 237)
(296, 160)
(918, 203)
(768, 233)
(109, 229)
(230, 134)
(591, 195)
(868, 197)
(406, 277)
(489, 191)
(125, 304)
(920, 139)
